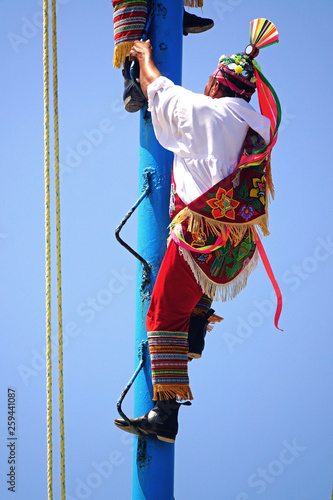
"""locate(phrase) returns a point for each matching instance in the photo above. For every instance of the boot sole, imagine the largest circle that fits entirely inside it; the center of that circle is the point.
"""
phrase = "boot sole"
(127, 428)
(197, 29)
(132, 106)
(166, 440)
(194, 355)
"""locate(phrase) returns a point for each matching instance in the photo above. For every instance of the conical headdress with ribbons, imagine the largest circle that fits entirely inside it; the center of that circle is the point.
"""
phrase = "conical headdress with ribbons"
(262, 34)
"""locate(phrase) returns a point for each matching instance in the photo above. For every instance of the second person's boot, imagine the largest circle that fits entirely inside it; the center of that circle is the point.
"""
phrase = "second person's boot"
(199, 323)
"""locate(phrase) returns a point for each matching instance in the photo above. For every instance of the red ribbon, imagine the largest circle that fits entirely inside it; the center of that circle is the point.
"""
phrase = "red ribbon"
(219, 242)
(271, 276)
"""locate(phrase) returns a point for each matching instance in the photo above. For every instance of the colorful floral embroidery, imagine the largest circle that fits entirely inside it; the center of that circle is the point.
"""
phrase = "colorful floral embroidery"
(229, 260)
(240, 254)
(255, 142)
(218, 263)
(204, 257)
(242, 251)
(247, 212)
(223, 205)
(172, 206)
(246, 262)
(259, 189)
(235, 180)
(222, 259)
(199, 238)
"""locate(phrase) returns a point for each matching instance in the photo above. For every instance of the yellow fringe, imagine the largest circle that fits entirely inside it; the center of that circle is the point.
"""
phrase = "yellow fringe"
(121, 51)
(193, 3)
(237, 231)
(214, 318)
(180, 392)
(269, 182)
(216, 291)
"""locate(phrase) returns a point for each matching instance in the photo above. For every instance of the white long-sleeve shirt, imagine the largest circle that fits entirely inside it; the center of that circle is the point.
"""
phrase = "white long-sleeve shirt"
(206, 135)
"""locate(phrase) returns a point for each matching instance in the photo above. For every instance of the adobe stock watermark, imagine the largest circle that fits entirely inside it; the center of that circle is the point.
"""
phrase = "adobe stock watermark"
(293, 277)
(91, 139)
(260, 480)
(99, 473)
(88, 309)
(30, 27)
(225, 7)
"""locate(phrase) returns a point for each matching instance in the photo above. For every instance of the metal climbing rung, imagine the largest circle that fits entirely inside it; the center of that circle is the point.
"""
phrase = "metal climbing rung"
(146, 272)
(142, 347)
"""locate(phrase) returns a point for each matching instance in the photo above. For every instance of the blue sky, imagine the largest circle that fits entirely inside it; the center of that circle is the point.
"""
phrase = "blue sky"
(261, 422)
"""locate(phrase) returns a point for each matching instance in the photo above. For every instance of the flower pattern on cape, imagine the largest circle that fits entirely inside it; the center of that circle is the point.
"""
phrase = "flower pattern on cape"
(223, 205)
(247, 212)
(259, 189)
(199, 238)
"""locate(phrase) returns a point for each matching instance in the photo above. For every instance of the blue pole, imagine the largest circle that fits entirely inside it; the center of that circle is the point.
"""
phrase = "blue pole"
(153, 460)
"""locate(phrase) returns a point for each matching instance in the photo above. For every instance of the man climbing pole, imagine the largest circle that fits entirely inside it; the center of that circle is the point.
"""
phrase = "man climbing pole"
(220, 182)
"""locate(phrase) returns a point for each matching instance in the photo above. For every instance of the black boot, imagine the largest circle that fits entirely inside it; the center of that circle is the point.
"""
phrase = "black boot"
(195, 24)
(162, 421)
(197, 333)
(133, 98)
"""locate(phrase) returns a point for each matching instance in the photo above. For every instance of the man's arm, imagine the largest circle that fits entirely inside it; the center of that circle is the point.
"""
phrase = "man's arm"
(143, 53)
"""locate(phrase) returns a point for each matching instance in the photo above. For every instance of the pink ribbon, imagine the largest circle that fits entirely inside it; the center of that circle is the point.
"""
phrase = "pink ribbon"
(218, 243)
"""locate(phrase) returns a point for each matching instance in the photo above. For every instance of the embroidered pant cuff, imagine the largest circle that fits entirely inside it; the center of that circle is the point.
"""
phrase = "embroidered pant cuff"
(168, 353)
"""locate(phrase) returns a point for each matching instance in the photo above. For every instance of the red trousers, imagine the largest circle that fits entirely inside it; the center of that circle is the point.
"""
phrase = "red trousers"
(174, 297)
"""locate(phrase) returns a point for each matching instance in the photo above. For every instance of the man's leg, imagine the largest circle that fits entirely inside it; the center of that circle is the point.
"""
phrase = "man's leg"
(174, 297)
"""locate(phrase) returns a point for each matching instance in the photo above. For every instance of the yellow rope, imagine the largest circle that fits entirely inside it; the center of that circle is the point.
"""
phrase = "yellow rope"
(58, 251)
(48, 248)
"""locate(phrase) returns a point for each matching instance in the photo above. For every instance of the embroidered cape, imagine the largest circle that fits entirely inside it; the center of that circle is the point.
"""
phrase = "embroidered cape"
(217, 232)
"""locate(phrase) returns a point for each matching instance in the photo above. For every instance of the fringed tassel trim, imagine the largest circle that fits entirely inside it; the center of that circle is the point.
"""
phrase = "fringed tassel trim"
(121, 51)
(269, 182)
(193, 3)
(195, 222)
(216, 291)
(213, 319)
(180, 392)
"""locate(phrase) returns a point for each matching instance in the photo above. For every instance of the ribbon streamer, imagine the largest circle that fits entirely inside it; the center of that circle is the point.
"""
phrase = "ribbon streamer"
(271, 276)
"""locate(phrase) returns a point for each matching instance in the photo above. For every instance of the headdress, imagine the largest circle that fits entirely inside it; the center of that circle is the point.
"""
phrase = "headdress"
(243, 75)
(238, 70)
